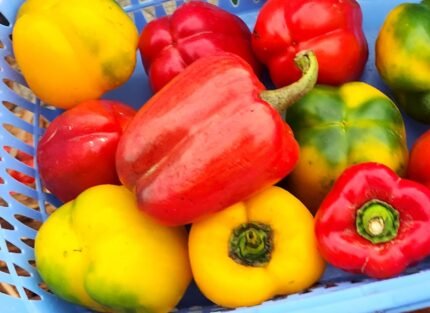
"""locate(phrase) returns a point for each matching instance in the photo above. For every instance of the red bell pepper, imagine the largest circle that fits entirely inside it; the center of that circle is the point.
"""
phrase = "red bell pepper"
(418, 166)
(209, 139)
(374, 222)
(331, 28)
(78, 148)
(196, 29)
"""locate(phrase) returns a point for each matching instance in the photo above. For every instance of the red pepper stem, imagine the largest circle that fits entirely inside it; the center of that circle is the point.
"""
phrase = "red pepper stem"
(251, 244)
(282, 98)
(377, 221)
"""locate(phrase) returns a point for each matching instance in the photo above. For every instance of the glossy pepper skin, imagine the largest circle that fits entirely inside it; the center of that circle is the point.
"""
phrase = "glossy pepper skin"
(418, 165)
(101, 252)
(70, 52)
(402, 55)
(77, 150)
(340, 126)
(271, 250)
(374, 222)
(208, 139)
(196, 29)
(331, 28)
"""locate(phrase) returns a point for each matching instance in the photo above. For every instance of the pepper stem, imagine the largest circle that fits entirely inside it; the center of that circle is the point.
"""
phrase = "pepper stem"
(377, 221)
(251, 244)
(280, 99)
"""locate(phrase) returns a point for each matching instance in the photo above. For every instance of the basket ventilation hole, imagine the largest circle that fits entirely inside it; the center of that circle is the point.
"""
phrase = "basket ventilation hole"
(25, 200)
(5, 224)
(22, 113)
(169, 6)
(3, 267)
(10, 59)
(21, 177)
(3, 20)
(12, 248)
(21, 156)
(31, 295)
(43, 286)
(3, 202)
(148, 14)
(21, 272)
(32, 223)
(28, 241)
(20, 90)
(123, 3)
(50, 208)
(24, 158)
(20, 134)
(32, 263)
(25, 115)
(9, 290)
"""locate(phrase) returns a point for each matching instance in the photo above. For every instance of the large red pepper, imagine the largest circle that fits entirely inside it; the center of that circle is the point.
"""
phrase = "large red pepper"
(209, 139)
(331, 28)
(374, 222)
(196, 29)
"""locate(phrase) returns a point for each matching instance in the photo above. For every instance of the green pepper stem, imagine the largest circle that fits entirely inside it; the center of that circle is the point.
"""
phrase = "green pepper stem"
(377, 221)
(251, 244)
(282, 98)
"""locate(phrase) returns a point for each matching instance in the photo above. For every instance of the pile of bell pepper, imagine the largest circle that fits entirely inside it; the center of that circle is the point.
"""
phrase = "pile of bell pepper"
(273, 183)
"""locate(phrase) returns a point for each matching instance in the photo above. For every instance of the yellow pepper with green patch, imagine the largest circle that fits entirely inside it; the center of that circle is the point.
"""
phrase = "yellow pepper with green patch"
(402, 55)
(74, 50)
(340, 126)
(101, 252)
(255, 249)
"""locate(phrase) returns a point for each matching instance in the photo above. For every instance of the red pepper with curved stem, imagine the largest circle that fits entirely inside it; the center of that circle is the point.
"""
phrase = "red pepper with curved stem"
(331, 28)
(374, 222)
(210, 138)
(196, 29)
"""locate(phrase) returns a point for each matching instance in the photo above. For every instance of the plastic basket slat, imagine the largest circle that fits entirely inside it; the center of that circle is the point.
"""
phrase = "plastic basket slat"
(410, 307)
(12, 75)
(10, 96)
(336, 291)
(9, 9)
(371, 297)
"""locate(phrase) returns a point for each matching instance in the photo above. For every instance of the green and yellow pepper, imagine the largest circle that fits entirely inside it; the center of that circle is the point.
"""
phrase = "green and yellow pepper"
(338, 127)
(101, 252)
(403, 57)
(71, 51)
(255, 249)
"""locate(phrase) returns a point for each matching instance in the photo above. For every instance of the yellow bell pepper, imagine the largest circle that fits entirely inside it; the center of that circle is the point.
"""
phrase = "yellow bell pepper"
(74, 50)
(101, 252)
(255, 250)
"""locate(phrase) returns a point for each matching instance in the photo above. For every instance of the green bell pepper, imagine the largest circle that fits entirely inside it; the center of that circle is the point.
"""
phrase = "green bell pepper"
(340, 126)
(403, 57)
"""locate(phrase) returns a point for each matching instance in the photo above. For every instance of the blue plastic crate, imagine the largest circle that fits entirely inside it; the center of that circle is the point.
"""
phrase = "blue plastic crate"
(23, 209)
